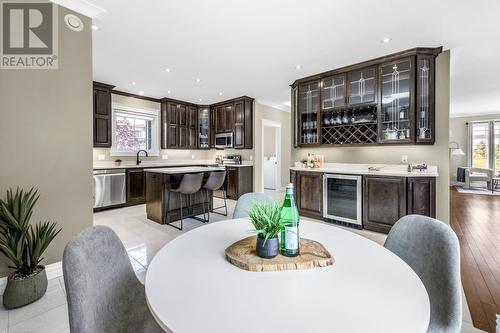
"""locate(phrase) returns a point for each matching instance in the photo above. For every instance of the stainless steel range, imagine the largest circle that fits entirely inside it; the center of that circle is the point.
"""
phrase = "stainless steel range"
(342, 198)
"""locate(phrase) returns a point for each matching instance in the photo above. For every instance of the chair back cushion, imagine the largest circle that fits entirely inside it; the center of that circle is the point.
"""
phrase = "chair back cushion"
(215, 180)
(246, 201)
(103, 292)
(432, 250)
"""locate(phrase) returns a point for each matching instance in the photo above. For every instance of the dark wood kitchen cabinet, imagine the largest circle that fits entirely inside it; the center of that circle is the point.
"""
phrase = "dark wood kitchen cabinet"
(229, 117)
(178, 125)
(384, 202)
(102, 115)
(192, 139)
(136, 186)
(239, 180)
(219, 119)
(422, 196)
(309, 193)
(387, 100)
(243, 123)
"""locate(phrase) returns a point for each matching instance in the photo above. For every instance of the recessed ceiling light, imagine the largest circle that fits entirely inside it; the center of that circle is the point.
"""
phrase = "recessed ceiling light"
(168, 91)
(198, 80)
(167, 70)
(386, 40)
(298, 67)
(220, 94)
(199, 99)
(95, 27)
(141, 93)
(134, 83)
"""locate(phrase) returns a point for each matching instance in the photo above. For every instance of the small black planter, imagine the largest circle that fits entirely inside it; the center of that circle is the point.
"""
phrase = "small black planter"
(269, 249)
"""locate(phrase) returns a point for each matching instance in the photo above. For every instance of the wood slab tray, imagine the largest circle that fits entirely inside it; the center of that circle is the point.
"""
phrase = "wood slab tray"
(312, 254)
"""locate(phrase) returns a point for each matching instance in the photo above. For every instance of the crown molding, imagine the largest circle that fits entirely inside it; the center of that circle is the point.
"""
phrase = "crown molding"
(81, 6)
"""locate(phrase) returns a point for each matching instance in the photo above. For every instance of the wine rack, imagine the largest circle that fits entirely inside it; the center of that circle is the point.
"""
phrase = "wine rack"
(365, 133)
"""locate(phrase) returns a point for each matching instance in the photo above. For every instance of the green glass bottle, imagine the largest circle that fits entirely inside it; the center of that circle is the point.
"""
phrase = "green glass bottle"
(290, 238)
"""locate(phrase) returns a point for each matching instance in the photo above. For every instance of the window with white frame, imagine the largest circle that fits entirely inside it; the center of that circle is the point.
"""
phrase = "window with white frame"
(133, 130)
(484, 145)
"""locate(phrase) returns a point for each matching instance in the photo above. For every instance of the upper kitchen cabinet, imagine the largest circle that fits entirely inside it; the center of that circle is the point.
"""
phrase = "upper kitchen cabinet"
(243, 123)
(235, 116)
(192, 126)
(397, 106)
(228, 117)
(333, 92)
(388, 100)
(425, 99)
(102, 115)
(219, 119)
(308, 112)
(362, 86)
(179, 124)
(204, 127)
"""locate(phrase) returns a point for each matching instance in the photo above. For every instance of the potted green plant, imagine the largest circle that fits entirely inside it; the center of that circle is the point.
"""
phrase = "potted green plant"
(267, 222)
(24, 244)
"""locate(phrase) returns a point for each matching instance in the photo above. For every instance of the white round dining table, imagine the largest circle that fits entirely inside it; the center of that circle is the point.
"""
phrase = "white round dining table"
(192, 288)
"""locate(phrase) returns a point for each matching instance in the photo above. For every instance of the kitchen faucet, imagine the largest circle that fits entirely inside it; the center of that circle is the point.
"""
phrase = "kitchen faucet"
(138, 161)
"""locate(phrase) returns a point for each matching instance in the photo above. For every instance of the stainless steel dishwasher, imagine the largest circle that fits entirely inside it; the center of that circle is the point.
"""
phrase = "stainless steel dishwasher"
(109, 188)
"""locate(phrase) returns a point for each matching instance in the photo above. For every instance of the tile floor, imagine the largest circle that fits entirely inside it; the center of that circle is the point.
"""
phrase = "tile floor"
(142, 239)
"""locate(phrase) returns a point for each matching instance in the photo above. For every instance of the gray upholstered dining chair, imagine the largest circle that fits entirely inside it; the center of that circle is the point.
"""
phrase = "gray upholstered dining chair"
(432, 250)
(103, 292)
(246, 201)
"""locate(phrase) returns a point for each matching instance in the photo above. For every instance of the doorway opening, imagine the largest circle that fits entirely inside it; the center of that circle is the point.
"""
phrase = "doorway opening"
(271, 155)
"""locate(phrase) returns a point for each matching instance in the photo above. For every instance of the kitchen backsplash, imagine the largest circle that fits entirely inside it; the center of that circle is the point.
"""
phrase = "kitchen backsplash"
(103, 154)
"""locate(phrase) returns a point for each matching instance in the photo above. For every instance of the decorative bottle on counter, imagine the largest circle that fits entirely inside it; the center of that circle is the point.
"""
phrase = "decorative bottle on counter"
(290, 238)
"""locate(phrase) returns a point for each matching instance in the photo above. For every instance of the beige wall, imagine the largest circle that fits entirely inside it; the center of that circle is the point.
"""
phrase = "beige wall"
(284, 118)
(46, 136)
(269, 141)
(458, 133)
(436, 154)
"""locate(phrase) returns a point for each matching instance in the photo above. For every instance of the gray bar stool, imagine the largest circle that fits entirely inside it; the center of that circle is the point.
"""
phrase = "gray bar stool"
(215, 182)
(191, 183)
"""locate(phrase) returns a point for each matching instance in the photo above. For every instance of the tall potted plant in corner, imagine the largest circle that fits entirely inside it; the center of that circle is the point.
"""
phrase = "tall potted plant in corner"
(24, 244)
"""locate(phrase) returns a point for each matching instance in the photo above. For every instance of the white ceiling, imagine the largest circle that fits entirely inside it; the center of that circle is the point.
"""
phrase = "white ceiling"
(252, 47)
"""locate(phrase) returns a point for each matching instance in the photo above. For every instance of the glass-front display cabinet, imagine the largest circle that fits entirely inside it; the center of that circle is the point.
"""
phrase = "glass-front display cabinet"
(308, 112)
(333, 93)
(388, 100)
(204, 128)
(362, 85)
(397, 107)
(425, 99)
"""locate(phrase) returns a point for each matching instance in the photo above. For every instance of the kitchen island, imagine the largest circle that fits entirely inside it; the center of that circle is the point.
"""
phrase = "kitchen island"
(159, 180)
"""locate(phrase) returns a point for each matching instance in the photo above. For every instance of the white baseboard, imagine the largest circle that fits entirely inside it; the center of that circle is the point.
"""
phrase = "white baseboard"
(53, 271)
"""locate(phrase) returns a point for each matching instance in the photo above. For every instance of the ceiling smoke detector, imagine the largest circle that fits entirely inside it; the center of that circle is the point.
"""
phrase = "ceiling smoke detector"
(73, 22)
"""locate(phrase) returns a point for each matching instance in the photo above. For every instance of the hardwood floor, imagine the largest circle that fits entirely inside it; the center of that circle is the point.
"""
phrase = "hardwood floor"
(476, 221)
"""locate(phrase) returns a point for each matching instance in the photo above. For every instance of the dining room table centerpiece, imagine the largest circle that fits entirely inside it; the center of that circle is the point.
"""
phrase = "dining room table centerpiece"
(267, 221)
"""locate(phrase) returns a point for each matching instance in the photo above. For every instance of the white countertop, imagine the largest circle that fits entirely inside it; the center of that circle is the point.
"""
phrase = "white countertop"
(400, 170)
(155, 164)
(172, 171)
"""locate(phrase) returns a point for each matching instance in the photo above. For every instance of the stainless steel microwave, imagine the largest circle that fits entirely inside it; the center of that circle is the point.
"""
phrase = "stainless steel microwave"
(224, 140)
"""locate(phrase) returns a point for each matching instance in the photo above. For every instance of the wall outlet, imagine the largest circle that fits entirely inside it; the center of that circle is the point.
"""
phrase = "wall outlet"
(251, 158)
(101, 157)
(164, 157)
(404, 158)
